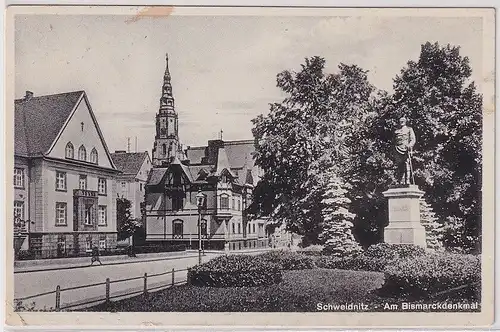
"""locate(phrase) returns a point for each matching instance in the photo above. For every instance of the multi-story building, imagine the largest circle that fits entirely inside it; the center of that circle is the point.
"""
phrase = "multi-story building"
(131, 183)
(223, 171)
(64, 177)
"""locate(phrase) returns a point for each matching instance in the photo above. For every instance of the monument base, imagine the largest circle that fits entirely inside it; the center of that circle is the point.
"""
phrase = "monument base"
(404, 217)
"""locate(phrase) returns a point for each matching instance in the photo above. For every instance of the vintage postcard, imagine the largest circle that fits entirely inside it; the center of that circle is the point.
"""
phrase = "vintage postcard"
(257, 167)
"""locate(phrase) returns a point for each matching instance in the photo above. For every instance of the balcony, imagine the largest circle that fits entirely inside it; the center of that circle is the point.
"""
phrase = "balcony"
(84, 193)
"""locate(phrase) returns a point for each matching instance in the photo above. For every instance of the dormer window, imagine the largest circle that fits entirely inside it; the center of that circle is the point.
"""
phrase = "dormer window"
(70, 151)
(82, 153)
(93, 156)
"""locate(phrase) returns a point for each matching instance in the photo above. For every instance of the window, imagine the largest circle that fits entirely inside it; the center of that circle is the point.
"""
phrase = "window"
(253, 228)
(234, 227)
(19, 209)
(164, 149)
(102, 186)
(233, 206)
(102, 242)
(239, 228)
(61, 213)
(224, 202)
(83, 182)
(89, 214)
(178, 229)
(82, 153)
(60, 181)
(248, 231)
(239, 204)
(19, 177)
(177, 202)
(88, 244)
(70, 151)
(93, 156)
(140, 186)
(103, 215)
(124, 186)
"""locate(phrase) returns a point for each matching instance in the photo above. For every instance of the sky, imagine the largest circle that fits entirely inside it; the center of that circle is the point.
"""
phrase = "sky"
(223, 68)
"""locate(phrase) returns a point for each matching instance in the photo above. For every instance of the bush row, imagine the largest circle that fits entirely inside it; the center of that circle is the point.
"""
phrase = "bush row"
(235, 271)
(288, 260)
(417, 277)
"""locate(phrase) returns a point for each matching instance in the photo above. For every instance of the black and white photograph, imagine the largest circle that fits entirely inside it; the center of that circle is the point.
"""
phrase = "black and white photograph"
(241, 161)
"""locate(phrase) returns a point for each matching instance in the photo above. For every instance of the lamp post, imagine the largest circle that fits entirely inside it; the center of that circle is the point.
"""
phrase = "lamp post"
(200, 202)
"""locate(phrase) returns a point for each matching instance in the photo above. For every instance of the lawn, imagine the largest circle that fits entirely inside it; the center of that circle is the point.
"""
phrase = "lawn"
(299, 291)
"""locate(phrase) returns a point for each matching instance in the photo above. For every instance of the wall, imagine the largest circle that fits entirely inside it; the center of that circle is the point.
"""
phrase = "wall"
(89, 137)
(72, 182)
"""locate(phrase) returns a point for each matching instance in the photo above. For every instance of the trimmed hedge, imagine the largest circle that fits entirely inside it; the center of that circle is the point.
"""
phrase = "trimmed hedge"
(376, 258)
(393, 251)
(235, 271)
(313, 250)
(289, 260)
(423, 276)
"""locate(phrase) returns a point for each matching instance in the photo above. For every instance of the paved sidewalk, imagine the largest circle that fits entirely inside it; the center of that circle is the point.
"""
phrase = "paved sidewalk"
(82, 262)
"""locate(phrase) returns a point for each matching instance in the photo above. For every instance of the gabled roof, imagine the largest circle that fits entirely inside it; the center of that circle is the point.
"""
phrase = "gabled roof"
(129, 163)
(39, 120)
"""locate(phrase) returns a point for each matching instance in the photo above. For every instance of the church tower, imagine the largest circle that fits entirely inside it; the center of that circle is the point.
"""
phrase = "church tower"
(166, 145)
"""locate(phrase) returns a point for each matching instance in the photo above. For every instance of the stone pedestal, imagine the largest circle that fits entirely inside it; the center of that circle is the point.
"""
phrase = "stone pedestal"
(404, 216)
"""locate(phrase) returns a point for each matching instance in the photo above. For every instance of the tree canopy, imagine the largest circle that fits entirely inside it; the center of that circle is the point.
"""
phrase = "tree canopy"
(340, 124)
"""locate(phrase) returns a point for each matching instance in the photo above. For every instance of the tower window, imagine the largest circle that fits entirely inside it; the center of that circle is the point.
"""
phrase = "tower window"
(164, 149)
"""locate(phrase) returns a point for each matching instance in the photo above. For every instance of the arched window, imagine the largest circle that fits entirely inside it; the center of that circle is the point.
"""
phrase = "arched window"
(164, 149)
(82, 153)
(93, 156)
(178, 229)
(70, 151)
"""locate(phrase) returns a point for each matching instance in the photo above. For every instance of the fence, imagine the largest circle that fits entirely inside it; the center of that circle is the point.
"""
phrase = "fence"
(107, 290)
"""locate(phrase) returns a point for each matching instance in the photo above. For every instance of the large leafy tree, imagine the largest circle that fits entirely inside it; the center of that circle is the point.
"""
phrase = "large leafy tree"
(316, 127)
(446, 112)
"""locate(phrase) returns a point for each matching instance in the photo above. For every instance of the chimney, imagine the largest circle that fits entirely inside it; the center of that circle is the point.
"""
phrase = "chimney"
(28, 95)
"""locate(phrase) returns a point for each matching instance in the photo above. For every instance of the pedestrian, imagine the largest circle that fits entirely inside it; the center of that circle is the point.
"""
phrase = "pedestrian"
(95, 256)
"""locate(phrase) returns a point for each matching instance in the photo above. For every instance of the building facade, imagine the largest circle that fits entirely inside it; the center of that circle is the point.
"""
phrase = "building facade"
(131, 183)
(223, 171)
(64, 177)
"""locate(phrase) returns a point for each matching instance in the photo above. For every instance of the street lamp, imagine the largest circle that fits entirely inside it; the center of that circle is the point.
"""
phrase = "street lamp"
(200, 202)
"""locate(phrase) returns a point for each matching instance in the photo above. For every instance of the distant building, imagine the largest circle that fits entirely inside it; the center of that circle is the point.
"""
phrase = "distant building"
(64, 177)
(223, 170)
(131, 183)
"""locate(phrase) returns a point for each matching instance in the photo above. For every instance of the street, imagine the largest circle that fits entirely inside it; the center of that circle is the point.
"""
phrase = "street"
(26, 284)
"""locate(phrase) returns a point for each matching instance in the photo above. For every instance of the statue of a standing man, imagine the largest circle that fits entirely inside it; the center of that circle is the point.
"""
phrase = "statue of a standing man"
(405, 140)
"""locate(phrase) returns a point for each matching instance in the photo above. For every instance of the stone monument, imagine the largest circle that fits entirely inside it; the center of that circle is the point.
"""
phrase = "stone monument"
(404, 200)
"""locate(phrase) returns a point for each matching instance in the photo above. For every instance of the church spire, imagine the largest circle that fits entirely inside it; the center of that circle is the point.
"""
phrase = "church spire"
(167, 98)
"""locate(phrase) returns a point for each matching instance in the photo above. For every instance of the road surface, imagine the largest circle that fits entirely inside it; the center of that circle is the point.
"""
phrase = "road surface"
(27, 284)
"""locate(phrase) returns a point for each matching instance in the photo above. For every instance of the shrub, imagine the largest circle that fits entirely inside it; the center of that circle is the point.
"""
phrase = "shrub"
(235, 271)
(423, 276)
(313, 250)
(288, 260)
(393, 251)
